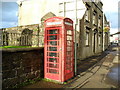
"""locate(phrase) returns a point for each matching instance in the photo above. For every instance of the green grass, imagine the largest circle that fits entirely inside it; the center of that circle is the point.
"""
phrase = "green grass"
(15, 46)
(49, 80)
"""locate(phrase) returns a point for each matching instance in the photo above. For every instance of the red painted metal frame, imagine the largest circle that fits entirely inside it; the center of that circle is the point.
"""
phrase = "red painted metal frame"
(63, 61)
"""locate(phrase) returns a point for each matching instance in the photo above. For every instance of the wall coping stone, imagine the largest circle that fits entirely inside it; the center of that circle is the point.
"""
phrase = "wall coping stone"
(20, 49)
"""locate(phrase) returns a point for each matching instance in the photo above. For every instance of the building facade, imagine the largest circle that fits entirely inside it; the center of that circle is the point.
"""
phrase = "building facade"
(32, 11)
(87, 17)
(91, 30)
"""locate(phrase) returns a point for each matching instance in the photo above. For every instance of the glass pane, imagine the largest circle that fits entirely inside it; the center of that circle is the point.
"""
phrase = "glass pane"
(53, 60)
(47, 70)
(68, 58)
(87, 38)
(53, 65)
(52, 48)
(53, 71)
(47, 54)
(68, 67)
(53, 54)
(61, 8)
(68, 53)
(54, 31)
(53, 37)
(68, 6)
(68, 62)
(70, 14)
(69, 37)
(69, 48)
(69, 32)
(53, 43)
(69, 43)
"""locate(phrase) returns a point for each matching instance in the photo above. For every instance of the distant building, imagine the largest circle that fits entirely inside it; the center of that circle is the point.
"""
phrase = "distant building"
(115, 37)
(106, 33)
(88, 17)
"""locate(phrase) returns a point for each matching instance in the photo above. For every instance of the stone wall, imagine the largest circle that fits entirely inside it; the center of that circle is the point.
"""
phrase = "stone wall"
(33, 35)
(20, 65)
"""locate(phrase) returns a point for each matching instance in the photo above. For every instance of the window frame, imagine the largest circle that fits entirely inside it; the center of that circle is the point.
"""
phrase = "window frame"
(94, 18)
(87, 15)
(87, 40)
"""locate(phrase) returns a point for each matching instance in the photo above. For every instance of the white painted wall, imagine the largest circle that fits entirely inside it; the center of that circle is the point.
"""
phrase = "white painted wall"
(31, 11)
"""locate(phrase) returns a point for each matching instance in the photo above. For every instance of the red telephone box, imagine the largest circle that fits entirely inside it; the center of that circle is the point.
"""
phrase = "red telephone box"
(58, 49)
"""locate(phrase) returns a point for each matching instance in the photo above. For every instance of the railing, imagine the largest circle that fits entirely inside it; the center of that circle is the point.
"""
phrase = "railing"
(18, 39)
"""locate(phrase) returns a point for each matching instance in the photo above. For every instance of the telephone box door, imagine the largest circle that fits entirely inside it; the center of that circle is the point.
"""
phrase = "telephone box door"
(52, 47)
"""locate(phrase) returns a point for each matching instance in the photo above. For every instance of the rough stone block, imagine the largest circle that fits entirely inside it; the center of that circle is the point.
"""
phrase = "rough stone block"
(35, 68)
(6, 68)
(30, 76)
(15, 65)
(6, 60)
(35, 63)
(22, 78)
(26, 63)
(37, 74)
(20, 71)
(9, 74)
(10, 66)
(27, 69)
(9, 83)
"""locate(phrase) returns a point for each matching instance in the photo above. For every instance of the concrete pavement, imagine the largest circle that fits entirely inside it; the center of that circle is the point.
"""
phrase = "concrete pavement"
(97, 75)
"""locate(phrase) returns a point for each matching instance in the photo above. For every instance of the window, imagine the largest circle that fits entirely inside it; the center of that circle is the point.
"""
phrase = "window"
(52, 49)
(69, 32)
(99, 22)
(87, 38)
(87, 15)
(94, 18)
(69, 37)
(53, 31)
(99, 40)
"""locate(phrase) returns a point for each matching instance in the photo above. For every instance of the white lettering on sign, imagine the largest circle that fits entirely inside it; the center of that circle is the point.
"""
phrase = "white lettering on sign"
(53, 23)
(67, 23)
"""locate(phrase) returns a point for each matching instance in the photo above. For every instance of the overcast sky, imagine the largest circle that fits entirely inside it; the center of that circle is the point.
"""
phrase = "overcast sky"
(9, 14)
(10, 9)
(110, 8)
